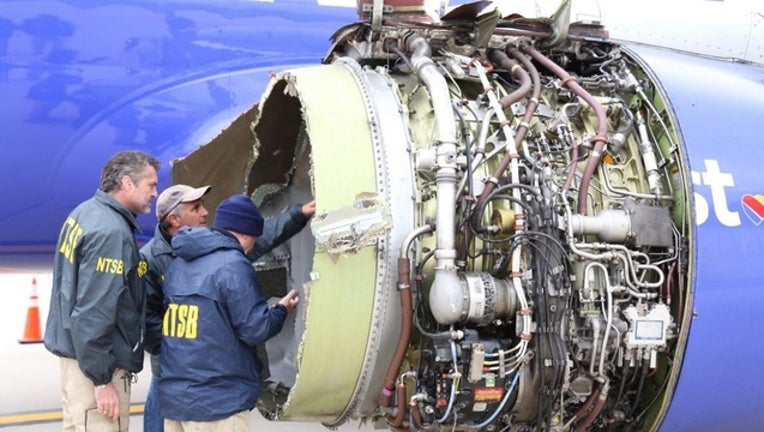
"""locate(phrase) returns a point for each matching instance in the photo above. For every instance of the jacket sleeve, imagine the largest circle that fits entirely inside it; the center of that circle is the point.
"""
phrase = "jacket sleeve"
(154, 297)
(102, 279)
(279, 229)
(252, 319)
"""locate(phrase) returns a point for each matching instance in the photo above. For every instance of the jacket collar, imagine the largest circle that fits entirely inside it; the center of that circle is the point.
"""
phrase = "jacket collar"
(160, 245)
(129, 216)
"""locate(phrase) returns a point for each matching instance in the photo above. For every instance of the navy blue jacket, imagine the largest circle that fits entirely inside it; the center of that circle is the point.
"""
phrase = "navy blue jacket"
(158, 254)
(215, 316)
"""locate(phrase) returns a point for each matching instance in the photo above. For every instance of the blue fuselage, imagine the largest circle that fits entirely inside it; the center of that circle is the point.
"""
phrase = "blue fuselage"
(81, 80)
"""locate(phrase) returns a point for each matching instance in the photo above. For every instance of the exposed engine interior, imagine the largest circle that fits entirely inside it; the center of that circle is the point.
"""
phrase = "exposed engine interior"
(522, 204)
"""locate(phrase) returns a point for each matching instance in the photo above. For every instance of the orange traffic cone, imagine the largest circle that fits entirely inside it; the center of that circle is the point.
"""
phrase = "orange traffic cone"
(32, 332)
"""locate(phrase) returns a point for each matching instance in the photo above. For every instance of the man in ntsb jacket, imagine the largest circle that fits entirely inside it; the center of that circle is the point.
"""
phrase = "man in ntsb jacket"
(182, 206)
(177, 206)
(95, 323)
(215, 316)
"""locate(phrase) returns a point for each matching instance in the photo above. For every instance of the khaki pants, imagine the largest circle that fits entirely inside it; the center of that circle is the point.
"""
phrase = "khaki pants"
(236, 423)
(79, 404)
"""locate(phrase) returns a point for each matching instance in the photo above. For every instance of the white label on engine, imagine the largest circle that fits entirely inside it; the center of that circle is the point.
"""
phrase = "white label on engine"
(477, 302)
(479, 407)
(648, 330)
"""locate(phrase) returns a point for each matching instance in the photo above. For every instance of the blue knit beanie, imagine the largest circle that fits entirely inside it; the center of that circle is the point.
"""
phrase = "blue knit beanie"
(239, 214)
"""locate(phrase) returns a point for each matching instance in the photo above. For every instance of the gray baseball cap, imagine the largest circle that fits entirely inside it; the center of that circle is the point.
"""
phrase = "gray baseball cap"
(173, 196)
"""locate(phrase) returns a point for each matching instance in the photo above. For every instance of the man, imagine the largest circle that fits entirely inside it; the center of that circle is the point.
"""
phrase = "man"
(178, 206)
(95, 323)
(215, 317)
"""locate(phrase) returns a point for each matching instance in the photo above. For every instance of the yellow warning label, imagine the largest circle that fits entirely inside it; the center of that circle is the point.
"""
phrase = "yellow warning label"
(488, 394)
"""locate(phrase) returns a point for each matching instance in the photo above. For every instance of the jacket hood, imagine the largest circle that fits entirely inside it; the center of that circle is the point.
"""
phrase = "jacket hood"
(191, 243)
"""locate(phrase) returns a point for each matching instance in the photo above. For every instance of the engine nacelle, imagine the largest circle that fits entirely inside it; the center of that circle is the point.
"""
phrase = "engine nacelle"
(502, 228)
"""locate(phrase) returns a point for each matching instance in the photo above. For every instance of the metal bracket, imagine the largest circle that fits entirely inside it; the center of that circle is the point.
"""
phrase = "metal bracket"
(376, 16)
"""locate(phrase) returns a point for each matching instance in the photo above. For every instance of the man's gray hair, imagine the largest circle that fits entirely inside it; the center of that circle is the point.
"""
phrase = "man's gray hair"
(127, 163)
(178, 211)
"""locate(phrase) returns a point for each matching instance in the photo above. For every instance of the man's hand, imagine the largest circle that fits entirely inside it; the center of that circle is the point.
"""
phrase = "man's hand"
(107, 401)
(290, 300)
(309, 209)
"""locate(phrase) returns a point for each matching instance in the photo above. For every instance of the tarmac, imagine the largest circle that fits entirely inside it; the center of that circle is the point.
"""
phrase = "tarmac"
(30, 396)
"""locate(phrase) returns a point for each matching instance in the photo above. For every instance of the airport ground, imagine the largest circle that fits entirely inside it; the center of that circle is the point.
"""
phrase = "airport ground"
(30, 397)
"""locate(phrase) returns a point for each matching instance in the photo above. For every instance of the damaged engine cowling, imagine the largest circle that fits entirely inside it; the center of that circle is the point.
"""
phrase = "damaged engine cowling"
(502, 236)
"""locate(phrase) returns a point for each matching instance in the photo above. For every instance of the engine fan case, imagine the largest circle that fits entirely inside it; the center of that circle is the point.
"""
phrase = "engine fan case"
(348, 321)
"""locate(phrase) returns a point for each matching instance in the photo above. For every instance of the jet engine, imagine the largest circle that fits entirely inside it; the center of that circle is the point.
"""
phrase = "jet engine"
(504, 236)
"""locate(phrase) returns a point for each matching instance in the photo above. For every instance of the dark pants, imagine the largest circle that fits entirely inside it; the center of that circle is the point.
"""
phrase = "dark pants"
(152, 421)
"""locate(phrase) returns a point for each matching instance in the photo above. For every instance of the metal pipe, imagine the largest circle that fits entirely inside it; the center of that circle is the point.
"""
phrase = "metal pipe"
(609, 312)
(404, 289)
(479, 148)
(445, 286)
(599, 140)
(511, 65)
(600, 402)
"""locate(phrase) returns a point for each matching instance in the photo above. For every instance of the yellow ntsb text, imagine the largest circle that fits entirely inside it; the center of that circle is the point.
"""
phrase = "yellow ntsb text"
(180, 320)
